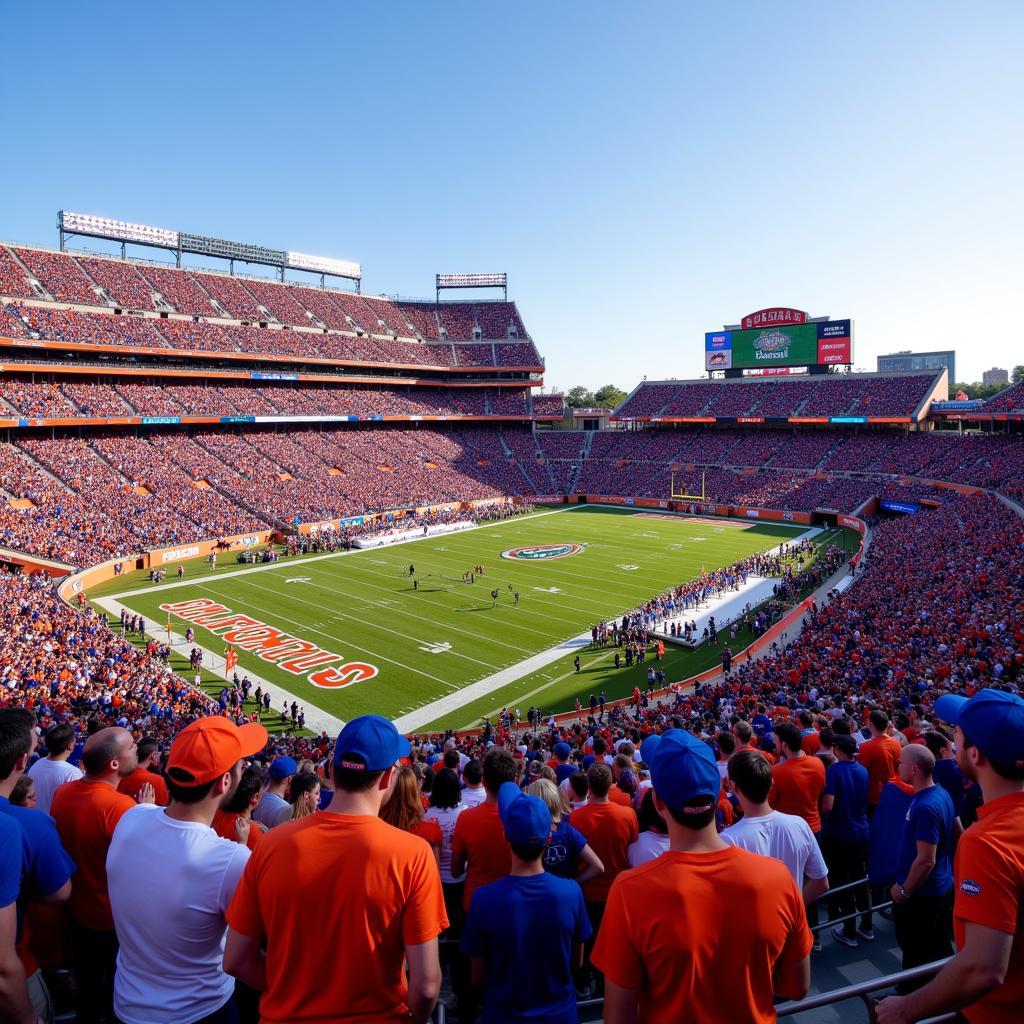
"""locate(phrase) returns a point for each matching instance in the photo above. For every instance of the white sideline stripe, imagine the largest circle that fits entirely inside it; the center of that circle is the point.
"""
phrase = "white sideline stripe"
(757, 585)
(293, 563)
(316, 718)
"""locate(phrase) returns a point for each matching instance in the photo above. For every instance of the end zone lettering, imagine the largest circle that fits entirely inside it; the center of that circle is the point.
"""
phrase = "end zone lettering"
(291, 653)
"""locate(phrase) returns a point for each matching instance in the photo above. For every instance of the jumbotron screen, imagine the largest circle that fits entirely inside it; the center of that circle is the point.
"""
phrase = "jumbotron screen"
(828, 342)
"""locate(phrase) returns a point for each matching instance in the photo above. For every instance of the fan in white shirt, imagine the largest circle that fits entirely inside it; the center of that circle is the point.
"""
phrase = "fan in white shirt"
(786, 837)
(50, 773)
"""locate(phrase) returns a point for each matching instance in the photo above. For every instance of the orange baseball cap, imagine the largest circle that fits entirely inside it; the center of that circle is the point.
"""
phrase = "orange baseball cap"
(211, 746)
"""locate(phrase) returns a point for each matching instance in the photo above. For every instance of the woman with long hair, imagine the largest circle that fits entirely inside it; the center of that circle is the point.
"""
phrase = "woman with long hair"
(403, 808)
(567, 847)
(304, 794)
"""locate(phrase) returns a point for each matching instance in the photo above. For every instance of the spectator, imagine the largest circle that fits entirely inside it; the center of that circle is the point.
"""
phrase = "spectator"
(173, 972)
(304, 794)
(87, 812)
(382, 884)
(609, 828)
(797, 781)
(146, 773)
(529, 917)
(845, 837)
(473, 792)
(479, 848)
(52, 771)
(880, 755)
(24, 792)
(567, 849)
(773, 833)
(15, 1004)
(233, 819)
(273, 808)
(653, 839)
(47, 869)
(884, 833)
(403, 809)
(446, 804)
(922, 894)
(986, 977)
(666, 953)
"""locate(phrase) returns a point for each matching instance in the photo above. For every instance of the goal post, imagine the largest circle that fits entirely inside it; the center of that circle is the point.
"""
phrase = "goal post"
(690, 497)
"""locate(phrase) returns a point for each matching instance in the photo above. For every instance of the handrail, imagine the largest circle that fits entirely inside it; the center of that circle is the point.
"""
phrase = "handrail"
(863, 988)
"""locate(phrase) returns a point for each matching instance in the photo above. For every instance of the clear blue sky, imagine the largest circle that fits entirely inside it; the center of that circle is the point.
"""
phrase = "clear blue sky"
(643, 172)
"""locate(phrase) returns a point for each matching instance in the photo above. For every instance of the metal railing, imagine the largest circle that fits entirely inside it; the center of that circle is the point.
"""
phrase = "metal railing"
(863, 989)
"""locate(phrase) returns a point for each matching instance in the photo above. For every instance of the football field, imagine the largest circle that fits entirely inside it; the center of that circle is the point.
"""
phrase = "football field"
(350, 633)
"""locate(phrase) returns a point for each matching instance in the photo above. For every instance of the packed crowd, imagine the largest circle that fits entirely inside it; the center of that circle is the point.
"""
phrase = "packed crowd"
(830, 395)
(135, 286)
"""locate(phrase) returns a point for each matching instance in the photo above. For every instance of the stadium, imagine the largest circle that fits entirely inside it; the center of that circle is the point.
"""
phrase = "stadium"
(354, 669)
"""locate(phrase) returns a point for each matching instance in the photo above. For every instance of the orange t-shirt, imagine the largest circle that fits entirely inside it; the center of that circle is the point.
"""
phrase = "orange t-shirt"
(881, 757)
(609, 829)
(132, 785)
(480, 835)
(429, 830)
(989, 871)
(812, 743)
(797, 785)
(620, 797)
(664, 937)
(224, 825)
(340, 882)
(86, 814)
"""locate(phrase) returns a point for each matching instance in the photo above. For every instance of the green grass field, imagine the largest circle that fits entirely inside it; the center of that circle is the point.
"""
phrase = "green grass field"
(435, 640)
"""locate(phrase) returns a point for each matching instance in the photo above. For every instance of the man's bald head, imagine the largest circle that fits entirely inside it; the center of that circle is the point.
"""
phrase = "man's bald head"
(110, 751)
(917, 755)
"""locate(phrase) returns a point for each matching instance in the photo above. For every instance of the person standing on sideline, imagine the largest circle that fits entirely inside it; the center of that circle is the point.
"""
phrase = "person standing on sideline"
(87, 812)
(173, 973)
(667, 952)
(528, 917)
(51, 772)
(373, 890)
(772, 833)
(985, 980)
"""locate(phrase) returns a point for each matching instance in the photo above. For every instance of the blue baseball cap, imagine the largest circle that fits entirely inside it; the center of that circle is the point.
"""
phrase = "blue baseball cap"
(561, 751)
(282, 767)
(648, 747)
(527, 819)
(369, 743)
(682, 769)
(991, 719)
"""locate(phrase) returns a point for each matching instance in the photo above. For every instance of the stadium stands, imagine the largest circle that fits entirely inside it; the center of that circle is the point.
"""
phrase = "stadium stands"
(59, 274)
(12, 277)
(122, 282)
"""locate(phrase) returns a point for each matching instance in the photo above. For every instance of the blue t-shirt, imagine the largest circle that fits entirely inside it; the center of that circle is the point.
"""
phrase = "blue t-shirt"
(951, 779)
(11, 859)
(46, 865)
(885, 830)
(847, 822)
(563, 771)
(929, 819)
(562, 854)
(525, 929)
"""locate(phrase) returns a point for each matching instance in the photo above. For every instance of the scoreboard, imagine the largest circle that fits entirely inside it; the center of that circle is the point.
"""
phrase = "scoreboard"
(827, 343)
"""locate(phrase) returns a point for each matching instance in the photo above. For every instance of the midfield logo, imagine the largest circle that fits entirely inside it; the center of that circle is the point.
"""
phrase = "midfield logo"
(541, 552)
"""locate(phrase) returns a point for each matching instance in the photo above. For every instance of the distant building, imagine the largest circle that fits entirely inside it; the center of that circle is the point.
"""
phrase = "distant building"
(995, 376)
(917, 361)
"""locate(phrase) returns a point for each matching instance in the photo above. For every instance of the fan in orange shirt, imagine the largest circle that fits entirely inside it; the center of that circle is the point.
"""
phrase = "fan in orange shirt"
(880, 755)
(145, 774)
(666, 952)
(479, 846)
(374, 891)
(799, 780)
